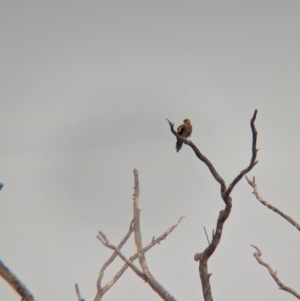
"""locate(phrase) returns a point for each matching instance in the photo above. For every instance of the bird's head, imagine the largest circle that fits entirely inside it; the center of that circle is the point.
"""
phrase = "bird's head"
(187, 121)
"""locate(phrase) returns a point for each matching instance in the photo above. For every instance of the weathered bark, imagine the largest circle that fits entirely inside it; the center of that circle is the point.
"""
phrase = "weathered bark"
(15, 283)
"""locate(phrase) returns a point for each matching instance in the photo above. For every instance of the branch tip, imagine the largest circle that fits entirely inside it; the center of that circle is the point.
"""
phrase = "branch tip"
(274, 274)
(170, 123)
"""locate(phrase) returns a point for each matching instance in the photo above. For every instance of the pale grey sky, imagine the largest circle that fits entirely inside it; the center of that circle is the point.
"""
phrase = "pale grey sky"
(85, 90)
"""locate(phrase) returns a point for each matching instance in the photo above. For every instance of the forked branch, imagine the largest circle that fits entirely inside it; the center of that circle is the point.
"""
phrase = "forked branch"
(102, 237)
(144, 273)
(225, 194)
(154, 242)
(253, 161)
(101, 291)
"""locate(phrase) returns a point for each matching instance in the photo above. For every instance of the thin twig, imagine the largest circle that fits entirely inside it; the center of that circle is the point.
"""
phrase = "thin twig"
(78, 293)
(206, 235)
(15, 283)
(273, 274)
(268, 205)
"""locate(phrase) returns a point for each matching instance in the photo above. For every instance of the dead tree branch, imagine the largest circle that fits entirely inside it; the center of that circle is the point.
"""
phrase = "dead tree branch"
(78, 293)
(253, 161)
(15, 283)
(200, 156)
(265, 203)
(102, 291)
(258, 253)
(225, 194)
(128, 262)
(138, 241)
(102, 237)
(273, 274)
(206, 235)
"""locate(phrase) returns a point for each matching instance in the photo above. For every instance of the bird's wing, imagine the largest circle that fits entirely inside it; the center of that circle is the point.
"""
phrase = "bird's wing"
(181, 129)
(189, 130)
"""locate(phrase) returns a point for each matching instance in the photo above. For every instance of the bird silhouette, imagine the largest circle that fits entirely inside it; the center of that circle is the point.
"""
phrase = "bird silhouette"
(184, 130)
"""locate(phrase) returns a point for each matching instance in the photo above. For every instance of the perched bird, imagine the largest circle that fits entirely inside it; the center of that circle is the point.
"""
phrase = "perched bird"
(184, 130)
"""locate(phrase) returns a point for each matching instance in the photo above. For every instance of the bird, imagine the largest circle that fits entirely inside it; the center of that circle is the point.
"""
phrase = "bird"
(184, 130)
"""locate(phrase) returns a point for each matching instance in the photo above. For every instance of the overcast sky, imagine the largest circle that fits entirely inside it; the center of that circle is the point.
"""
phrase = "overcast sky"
(85, 90)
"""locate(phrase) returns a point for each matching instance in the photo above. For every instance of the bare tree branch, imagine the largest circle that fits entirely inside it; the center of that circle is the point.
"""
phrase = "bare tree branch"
(205, 255)
(273, 274)
(15, 283)
(132, 258)
(155, 285)
(224, 214)
(253, 161)
(102, 237)
(136, 223)
(258, 253)
(261, 200)
(206, 235)
(159, 289)
(101, 291)
(128, 262)
(78, 293)
(114, 255)
(212, 169)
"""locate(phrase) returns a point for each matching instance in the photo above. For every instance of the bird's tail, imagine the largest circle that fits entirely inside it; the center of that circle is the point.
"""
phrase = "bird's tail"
(178, 145)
